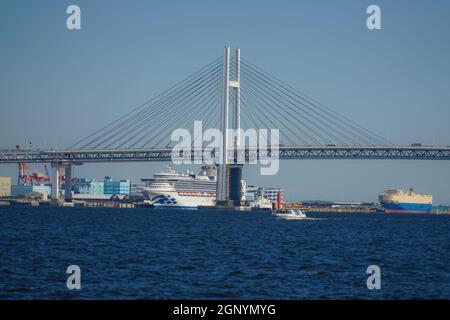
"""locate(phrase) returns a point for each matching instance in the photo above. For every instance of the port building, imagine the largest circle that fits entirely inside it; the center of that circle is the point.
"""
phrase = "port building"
(24, 189)
(5, 187)
(252, 193)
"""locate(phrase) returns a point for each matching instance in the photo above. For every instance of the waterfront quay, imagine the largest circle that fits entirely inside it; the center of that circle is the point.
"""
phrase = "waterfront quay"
(88, 204)
(138, 204)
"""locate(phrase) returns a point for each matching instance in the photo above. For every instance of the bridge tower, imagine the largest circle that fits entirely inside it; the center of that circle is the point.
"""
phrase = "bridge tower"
(229, 174)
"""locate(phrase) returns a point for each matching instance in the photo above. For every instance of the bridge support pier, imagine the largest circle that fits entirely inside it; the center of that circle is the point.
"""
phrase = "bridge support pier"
(56, 179)
(68, 183)
(235, 184)
(55, 182)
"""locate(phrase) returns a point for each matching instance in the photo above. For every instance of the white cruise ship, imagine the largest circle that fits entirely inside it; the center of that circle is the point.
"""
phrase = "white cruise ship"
(169, 189)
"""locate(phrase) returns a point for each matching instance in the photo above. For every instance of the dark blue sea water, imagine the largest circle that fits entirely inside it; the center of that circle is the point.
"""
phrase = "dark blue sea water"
(148, 254)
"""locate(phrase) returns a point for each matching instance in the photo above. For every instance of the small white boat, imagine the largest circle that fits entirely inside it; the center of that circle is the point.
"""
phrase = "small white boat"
(289, 214)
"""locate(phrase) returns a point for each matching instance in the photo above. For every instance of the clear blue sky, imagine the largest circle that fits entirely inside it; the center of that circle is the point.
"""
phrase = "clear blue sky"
(58, 85)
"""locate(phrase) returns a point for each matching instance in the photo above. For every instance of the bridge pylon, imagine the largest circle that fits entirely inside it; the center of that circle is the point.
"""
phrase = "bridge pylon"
(229, 172)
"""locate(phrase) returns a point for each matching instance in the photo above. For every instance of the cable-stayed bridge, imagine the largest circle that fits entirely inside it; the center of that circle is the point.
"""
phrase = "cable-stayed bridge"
(258, 100)
(308, 129)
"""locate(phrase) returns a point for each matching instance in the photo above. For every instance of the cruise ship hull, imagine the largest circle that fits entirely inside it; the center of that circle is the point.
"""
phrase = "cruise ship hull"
(175, 200)
(407, 207)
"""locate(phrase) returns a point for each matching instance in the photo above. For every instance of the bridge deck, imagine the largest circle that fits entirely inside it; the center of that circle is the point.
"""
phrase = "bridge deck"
(284, 153)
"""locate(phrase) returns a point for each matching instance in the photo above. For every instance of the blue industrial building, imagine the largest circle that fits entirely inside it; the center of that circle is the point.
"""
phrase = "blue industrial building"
(107, 186)
(116, 187)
